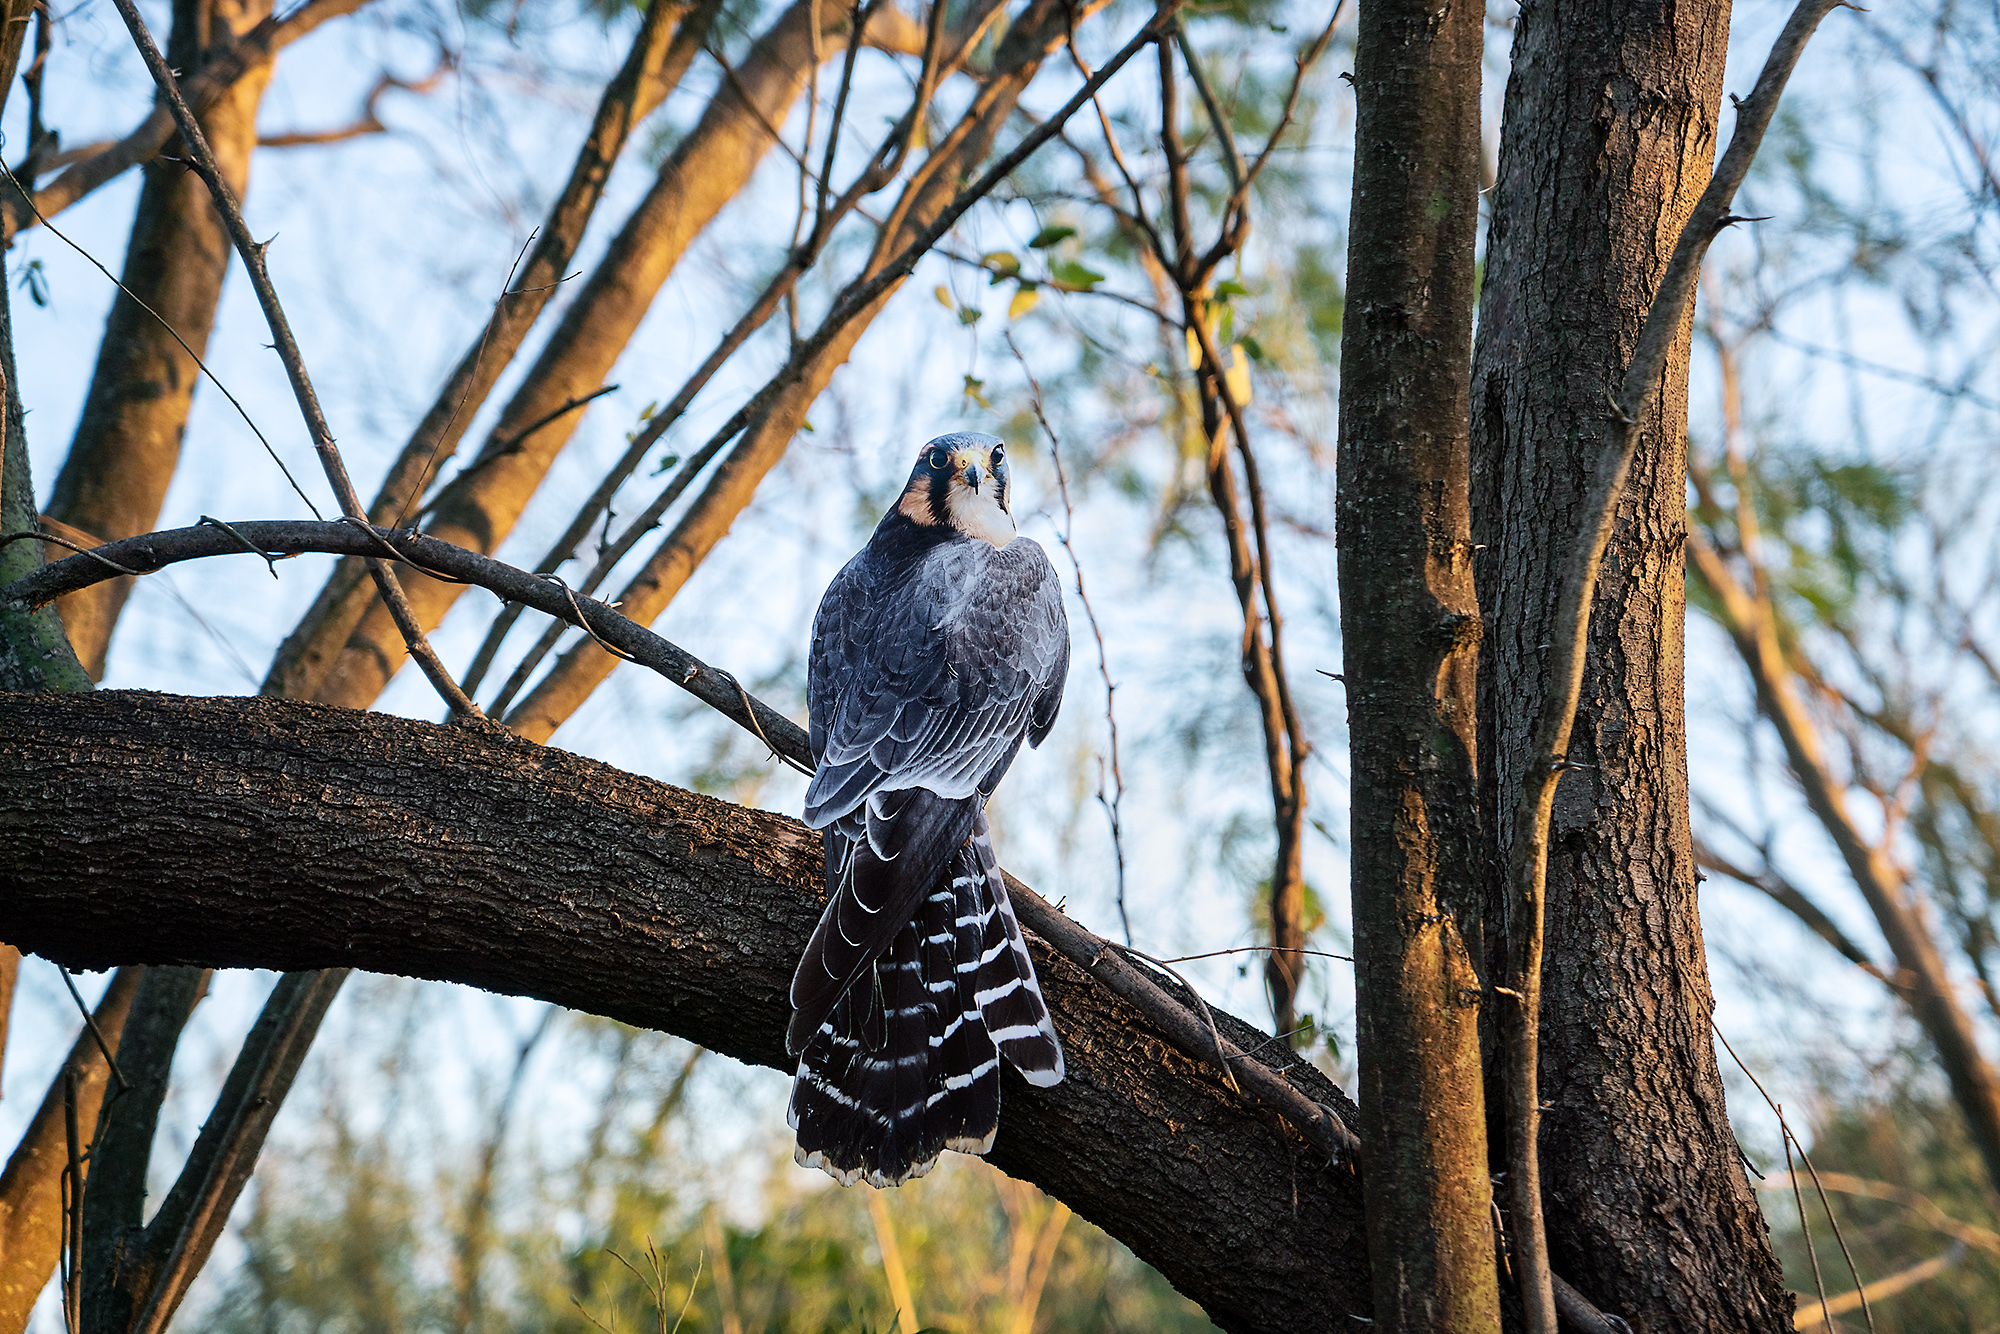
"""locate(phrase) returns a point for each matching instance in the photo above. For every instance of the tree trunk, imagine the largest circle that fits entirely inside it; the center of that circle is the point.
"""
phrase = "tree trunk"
(1608, 138)
(31, 1187)
(128, 439)
(1411, 653)
(266, 833)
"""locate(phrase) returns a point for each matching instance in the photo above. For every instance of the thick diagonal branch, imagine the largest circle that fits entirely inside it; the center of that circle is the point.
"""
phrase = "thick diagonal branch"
(272, 834)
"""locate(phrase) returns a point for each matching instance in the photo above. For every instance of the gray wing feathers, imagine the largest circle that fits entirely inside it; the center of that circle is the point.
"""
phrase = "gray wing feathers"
(929, 675)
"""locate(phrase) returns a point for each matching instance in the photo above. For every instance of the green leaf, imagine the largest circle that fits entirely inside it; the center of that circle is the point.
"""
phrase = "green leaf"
(1071, 276)
(1252, 346)
(970, 314)
(670, 461)
(1003, 263)
(36, 280)
(1229, 287)
(1049, 236)
(975, 389)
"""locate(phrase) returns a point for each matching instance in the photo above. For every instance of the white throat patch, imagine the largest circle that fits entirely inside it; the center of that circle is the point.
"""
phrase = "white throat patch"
(979, 515)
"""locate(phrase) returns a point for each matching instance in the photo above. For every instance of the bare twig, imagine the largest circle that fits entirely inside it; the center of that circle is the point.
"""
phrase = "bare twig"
(1112, 805)
(194, 1212)
(252, 255)
(1792, 1142)
(1527, 870)
(96, 1033)
(368, 122)
(1805, 1228)
(241, 411)
(882, 169)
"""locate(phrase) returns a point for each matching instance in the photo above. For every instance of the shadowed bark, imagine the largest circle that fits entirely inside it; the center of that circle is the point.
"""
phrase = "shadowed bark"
(128, 438)
(235, 833)
(480, 507)
(733, 484)
(1610, 131)
(1411, 678)
(115, 1205)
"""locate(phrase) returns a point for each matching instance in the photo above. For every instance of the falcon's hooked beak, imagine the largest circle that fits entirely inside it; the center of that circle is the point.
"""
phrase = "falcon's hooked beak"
(967, 462)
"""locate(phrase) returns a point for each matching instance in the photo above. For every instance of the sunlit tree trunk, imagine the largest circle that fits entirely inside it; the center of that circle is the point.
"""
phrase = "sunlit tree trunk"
(1410, 661)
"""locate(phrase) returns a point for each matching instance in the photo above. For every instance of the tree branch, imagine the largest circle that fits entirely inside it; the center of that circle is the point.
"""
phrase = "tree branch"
(660, 54)
(714, 687)
(252, 255)
(274, 834)
(204, 90)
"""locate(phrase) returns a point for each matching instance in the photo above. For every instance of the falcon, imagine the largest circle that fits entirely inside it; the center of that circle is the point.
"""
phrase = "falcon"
(937, 651)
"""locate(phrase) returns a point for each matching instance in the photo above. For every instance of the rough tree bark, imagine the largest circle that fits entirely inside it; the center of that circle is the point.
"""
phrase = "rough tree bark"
(1404, 534)
(1608, 138)
(128, 438)
(239, 833)
(733, 485)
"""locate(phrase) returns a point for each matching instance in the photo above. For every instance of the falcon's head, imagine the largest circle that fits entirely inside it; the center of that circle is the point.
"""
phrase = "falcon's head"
(961, 482)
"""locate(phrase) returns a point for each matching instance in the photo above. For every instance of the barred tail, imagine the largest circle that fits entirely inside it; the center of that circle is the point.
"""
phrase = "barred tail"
(906, 1065)
(902, 1069)
(1005, 988)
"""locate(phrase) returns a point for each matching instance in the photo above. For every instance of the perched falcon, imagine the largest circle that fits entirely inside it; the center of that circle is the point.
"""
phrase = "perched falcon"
(936, 652)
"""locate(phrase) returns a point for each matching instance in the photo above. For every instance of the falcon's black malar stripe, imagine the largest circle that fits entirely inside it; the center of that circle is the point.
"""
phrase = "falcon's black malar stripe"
(936, 652)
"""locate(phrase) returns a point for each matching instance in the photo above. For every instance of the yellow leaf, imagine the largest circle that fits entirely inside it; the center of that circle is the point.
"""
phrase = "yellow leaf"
(944, 297)
(1237, 375)
(1194, 349)
(1023, 302)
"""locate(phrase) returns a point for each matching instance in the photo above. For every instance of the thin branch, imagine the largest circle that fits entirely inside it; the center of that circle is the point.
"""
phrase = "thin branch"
(1113, 805)
(368, 122)
(29, 200)
(1527, 870)
(252, 255)
(194, 1212)
(882, 169)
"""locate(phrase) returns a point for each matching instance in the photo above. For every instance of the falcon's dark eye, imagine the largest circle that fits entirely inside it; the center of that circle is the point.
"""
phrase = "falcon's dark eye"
(940, 459)
(999, 455)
